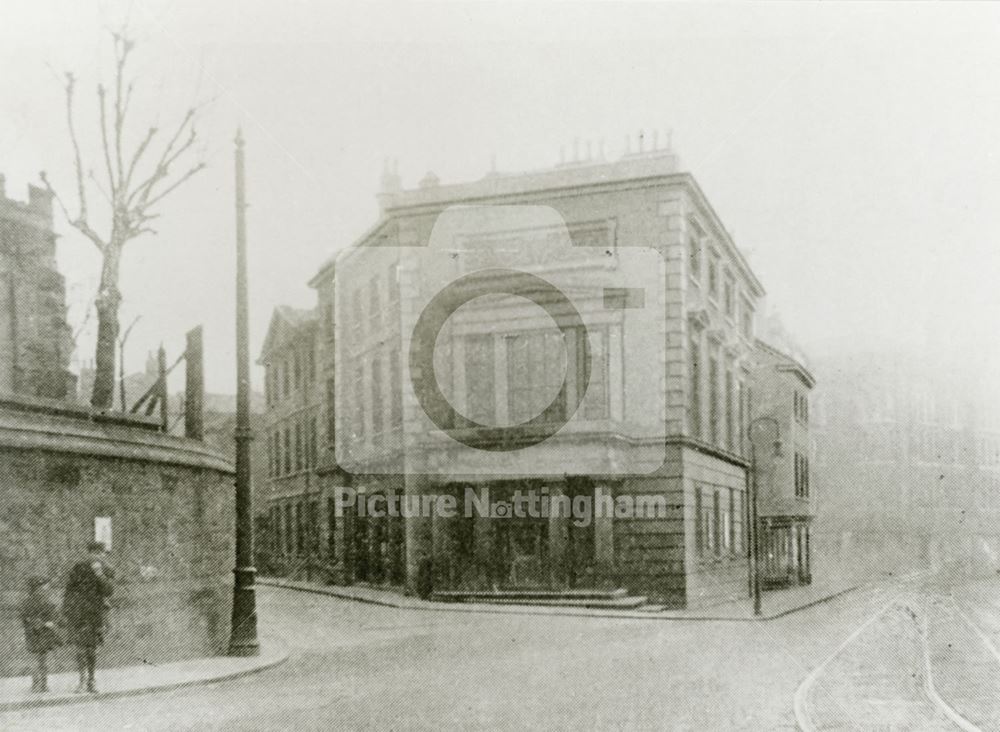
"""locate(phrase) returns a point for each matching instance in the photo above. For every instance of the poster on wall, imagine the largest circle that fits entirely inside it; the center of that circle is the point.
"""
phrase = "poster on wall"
(102, 531)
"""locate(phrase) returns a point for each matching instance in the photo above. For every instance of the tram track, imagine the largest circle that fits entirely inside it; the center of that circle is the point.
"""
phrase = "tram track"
(921, 662)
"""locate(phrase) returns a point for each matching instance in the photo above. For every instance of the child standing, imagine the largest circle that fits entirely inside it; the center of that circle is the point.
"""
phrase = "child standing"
(38, 614)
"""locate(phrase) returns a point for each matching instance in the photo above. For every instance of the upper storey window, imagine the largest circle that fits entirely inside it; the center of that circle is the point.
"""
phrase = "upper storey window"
(694, 251)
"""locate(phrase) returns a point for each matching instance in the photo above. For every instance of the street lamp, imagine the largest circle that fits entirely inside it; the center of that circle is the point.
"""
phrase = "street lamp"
(760, 426)
(243, 631)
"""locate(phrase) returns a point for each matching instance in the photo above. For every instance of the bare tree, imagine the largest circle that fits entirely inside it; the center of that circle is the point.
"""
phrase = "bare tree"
(130, 194)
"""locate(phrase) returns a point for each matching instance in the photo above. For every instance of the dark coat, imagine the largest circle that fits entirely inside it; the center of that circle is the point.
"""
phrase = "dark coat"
(85, 604)
(38, 614)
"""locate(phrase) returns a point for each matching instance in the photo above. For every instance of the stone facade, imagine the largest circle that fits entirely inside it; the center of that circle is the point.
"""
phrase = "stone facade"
(34, 336)
(292, 437)
(170, 505)
(684, 386)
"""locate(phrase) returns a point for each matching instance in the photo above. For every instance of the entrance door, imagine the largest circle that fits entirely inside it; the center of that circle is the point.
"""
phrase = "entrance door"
(520, 552)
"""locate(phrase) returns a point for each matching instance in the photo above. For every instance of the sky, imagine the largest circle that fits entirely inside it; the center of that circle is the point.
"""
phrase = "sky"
(850, 148)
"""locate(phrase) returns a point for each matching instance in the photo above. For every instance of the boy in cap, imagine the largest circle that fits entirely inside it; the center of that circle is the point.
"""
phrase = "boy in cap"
(38, 615)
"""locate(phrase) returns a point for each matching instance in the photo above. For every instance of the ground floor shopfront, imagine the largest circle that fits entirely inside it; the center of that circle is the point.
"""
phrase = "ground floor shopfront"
(678, 536)
(786, 549)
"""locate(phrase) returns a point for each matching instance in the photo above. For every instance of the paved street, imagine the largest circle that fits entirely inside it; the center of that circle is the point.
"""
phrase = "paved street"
(361, 666)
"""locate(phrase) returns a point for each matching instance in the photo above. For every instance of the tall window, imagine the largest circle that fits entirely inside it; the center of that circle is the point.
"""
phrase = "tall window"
(331, 528)
(286, 379)
(374, 306)
(801, 476)
(739, 519)
(314, 527)
(297, 368)
(730, 411)
(730, 297)
(331, 414)
(395, 390)
(707, 509)
(694, 372)
(276, 440)
(358, 413)
(288, 450)
(311, 364)
(694, 254)
(393, 283)
(713, 278)
(357, 314)
(717, 521)
(536, 363)
(300, 534)
(480, 390)
(298, 446)
(595, 403)
(376, 384)
(276, 533)
(746, 317)
(314, 442)
(713, 398)
(270, 456)
(289, 530)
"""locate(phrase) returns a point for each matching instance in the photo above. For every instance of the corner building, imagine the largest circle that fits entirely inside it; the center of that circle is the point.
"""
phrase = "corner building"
(696, 393)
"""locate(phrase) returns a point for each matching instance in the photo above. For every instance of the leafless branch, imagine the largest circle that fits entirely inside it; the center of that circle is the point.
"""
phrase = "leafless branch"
(78, 165)
(160, 196)
(79, 223)
(101, 94)
(86, 319)
(137, 156)
(123, 46)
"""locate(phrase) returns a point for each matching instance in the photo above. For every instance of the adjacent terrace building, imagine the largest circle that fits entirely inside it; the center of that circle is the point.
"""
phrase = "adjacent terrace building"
(293, 433)
(642, 392)
(781, 395)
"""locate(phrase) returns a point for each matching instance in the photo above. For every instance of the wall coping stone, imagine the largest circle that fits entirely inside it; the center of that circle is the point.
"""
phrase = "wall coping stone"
(33, 424)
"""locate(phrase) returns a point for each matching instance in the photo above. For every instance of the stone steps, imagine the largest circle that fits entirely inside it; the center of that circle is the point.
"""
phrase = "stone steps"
(618, 599)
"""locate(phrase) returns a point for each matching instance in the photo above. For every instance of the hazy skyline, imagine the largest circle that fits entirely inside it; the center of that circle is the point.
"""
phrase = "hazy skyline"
(849, 148)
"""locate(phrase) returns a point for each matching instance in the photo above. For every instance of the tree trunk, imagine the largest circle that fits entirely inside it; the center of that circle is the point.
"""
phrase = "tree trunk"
(107, 303)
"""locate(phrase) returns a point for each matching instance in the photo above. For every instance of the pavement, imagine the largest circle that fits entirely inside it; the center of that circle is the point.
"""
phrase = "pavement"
(775, 604)
(15, 692)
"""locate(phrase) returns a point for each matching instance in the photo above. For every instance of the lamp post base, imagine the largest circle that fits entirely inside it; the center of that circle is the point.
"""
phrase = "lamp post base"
(243, 637)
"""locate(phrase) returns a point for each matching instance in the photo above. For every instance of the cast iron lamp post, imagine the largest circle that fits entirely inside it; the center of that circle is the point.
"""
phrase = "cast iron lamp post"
(758, 427)
(243, 633)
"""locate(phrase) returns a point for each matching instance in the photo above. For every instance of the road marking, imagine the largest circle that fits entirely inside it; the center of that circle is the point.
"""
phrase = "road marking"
(800, 705)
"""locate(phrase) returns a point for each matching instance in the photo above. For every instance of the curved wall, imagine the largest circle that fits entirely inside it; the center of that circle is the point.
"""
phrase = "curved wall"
(170, 501)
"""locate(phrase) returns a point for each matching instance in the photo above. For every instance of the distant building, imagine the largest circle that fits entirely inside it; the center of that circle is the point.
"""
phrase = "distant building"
(136, 384)
(908, 450)
(35, 340)
(786, 490)
(291, 438)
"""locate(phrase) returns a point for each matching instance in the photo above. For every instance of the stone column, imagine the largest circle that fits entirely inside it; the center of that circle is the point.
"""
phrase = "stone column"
(419, 538)
(559, 518)
(482, 539)
(441, 533)
(604, 536)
